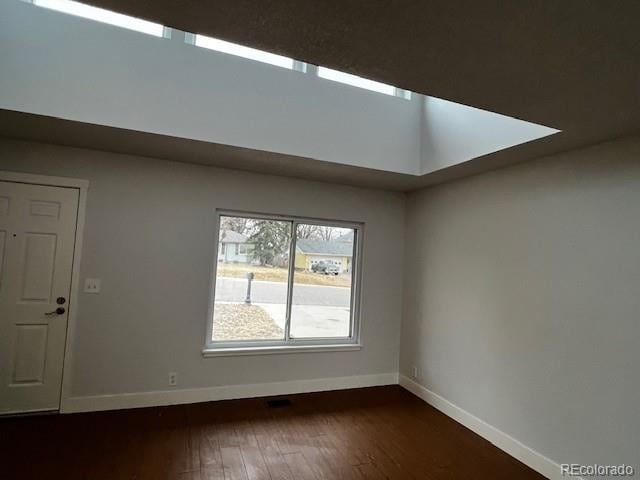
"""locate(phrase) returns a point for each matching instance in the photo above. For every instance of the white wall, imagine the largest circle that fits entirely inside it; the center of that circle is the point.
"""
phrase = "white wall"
(68, 67)
(150, 237)
(454, 133)
(522, 301)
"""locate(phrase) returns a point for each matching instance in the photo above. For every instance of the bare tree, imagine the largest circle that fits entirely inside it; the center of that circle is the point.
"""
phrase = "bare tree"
(307, 231)
(316, 232)
(326, 233)
(237, 224)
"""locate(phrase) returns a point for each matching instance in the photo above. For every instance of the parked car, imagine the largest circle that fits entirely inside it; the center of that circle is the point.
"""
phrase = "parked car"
(326, 268)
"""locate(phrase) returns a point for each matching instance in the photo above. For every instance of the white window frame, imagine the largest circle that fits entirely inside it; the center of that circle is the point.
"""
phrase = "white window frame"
(289, 345)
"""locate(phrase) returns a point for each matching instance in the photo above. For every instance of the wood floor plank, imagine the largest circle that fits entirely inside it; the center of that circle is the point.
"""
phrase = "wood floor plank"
(373, 433)
(254, 463)
(299, 466)
(212, 472)
(208, 447)
(276, 464)
(233, 464)
(314, 455)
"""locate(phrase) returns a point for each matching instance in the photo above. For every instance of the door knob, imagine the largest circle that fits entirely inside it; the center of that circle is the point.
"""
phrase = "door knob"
(57, 311)
(60, 300)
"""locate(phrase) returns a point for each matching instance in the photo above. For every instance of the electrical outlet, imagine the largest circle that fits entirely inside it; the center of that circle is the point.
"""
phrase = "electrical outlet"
(92, 285)
(173, 379)
(414, 372)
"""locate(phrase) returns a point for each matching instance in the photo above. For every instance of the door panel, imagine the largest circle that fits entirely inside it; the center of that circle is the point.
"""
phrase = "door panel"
(31, 353)
(45, 209)
(37, 235)
(37, 267)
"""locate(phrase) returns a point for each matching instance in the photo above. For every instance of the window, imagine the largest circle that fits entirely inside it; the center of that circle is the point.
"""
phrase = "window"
(245, 249)
(291, 64)
(241, 51)
(104, 16)
(283, 294)
(361, 82)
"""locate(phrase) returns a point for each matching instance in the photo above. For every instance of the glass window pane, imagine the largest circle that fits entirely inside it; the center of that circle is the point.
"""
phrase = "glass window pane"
(101, 15)
(321, 303)
(356, 81)
(242, 51)
(251, 279)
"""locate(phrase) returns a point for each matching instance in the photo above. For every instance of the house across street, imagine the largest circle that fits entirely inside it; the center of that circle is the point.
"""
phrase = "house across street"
(338, 252)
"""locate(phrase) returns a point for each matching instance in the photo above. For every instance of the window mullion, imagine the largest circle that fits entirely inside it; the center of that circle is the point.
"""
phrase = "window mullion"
(292, 262)
(355, 267)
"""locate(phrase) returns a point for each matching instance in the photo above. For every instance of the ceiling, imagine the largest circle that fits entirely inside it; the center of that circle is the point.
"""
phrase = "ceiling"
(573, 64)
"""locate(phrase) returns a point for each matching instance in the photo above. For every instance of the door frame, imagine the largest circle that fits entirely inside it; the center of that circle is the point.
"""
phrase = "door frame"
(82, 186)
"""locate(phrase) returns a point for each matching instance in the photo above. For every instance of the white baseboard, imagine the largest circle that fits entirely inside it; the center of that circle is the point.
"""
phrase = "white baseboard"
(227, 392)
(510, 445)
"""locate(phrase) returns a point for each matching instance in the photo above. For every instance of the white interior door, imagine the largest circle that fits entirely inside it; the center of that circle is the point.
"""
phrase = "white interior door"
(37, 235)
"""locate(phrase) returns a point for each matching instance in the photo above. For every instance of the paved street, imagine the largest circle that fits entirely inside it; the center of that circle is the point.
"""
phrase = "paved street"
(309, 321)
(235, 289)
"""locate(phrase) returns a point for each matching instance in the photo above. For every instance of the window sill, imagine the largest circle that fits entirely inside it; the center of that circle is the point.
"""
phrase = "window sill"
(278, 350)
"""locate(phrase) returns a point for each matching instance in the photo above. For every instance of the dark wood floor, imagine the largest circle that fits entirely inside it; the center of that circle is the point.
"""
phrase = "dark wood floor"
(376, 433)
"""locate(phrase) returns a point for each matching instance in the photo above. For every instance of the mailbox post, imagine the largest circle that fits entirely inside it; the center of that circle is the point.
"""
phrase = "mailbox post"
(247, 300)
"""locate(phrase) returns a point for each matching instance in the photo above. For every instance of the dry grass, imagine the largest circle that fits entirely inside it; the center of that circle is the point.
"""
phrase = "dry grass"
(239, 270)
(243, 322)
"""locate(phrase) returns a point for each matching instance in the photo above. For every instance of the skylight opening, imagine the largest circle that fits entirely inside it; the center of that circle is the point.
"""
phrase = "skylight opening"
(356, 81)
(103, 16)
(242, 51)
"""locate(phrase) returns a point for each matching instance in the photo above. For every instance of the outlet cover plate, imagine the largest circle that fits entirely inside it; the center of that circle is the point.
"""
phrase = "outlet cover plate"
(92, 285)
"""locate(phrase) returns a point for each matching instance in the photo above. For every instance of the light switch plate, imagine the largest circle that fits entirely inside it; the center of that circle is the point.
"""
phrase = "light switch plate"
(92, 285)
